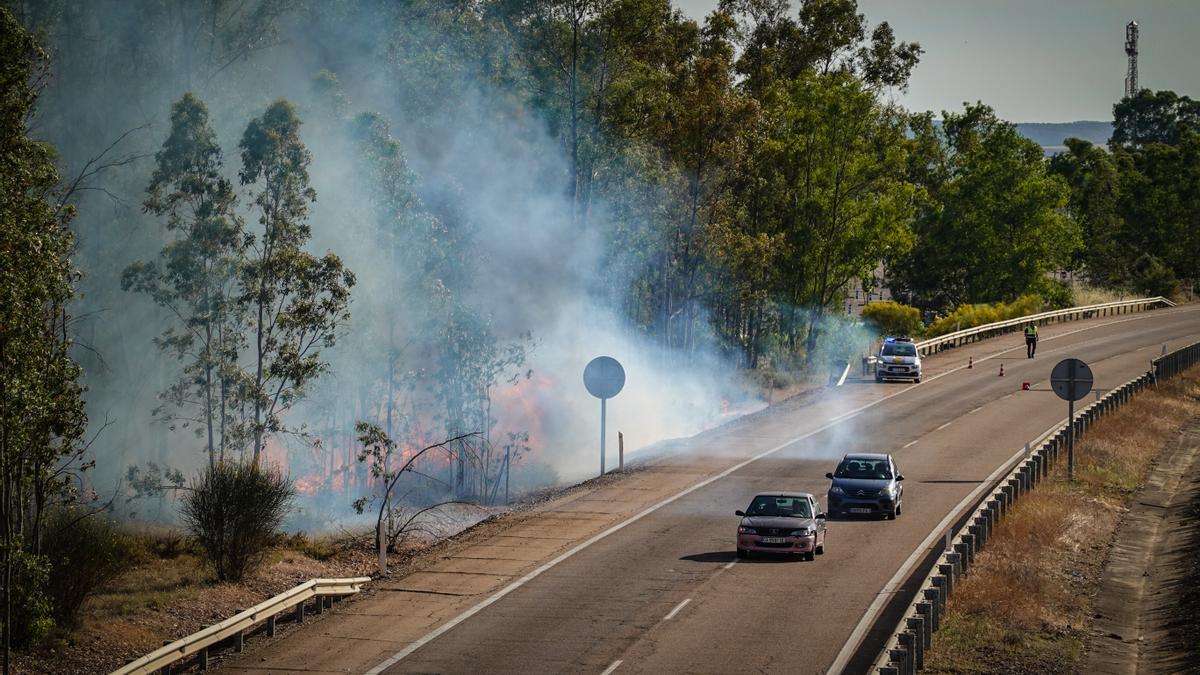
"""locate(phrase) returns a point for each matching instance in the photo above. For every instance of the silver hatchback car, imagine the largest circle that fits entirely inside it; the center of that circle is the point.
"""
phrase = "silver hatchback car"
(866, 484)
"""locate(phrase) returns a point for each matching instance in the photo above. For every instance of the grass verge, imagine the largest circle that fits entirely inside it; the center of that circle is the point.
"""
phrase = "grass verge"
(1025, 606)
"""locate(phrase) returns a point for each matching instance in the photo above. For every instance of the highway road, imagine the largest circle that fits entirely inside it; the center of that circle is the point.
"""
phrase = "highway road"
(651, 584)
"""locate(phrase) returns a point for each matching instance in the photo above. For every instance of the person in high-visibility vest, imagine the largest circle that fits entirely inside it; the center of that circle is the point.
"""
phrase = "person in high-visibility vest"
(1030, 339)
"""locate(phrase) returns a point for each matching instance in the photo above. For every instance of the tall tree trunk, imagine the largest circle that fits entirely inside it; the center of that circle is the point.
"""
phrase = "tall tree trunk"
(575, 20)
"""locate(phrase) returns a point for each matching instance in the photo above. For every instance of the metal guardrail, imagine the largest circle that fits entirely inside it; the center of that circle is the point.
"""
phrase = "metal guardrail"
(961, 337)
(197, 644)
(904, 653)
(1170, 365)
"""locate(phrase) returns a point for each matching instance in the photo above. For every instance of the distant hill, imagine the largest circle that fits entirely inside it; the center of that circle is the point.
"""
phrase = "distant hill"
(1051, 135)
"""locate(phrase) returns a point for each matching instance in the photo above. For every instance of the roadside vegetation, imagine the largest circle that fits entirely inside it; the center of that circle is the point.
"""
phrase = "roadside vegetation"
(1025, 605)
(164, 587)
(716, 185)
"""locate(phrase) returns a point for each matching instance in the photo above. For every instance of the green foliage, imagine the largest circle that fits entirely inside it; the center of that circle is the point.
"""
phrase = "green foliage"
(893, 318)
(969, 316)
(234, 510)
(297, 300)
(1139, 198)
(1149, 277)
(195, 274)
(1154, 117)
(86, 551)
(42, 417)
(994, 223)
(32, 608)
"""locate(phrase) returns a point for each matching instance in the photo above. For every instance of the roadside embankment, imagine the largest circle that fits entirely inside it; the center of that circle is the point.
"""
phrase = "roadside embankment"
(1042, 588)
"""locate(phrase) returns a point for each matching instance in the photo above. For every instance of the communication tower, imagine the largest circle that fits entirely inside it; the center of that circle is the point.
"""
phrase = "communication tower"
(1131, 50)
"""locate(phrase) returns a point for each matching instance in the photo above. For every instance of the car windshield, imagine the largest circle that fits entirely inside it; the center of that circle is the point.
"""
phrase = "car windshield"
(899, 349)
(875, 469)
(767, 505)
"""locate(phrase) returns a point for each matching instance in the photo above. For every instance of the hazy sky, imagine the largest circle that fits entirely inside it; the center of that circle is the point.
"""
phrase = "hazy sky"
(1036, 60)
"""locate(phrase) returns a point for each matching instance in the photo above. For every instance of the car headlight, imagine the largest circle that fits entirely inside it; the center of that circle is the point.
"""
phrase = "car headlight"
(804, 532)
(835, 490)
(890, 491)
(742, 529)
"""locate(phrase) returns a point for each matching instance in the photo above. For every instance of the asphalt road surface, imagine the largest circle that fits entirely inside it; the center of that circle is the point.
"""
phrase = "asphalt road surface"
(664, 593)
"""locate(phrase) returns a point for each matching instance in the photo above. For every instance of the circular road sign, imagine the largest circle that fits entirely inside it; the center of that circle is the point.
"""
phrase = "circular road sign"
(604, 377)
(1071, 379)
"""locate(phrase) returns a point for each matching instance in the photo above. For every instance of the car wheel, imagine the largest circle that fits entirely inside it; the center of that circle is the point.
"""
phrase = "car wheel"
(810, 556)
(878, 378)
(821, 548)
(743, 553)
(898, 509)
(916, 380)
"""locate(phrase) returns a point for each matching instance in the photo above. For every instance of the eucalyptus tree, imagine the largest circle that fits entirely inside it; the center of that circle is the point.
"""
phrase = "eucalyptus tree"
(296, 300)
(998, 223)
(834, 161)
(196, 273)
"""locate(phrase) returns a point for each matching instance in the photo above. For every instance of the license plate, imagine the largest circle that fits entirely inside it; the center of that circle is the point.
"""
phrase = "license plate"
(774, 540)
(860, 510)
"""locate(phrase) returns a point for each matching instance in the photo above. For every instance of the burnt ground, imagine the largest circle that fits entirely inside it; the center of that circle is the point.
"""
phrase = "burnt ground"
(1146, 613)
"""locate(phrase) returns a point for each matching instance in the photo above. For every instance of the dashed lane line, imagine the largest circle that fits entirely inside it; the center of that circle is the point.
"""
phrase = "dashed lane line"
(615, 664)
(675, 611)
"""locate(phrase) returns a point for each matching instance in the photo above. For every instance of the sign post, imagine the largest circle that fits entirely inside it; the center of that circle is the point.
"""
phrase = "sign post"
(604, 378)
(1071, 379)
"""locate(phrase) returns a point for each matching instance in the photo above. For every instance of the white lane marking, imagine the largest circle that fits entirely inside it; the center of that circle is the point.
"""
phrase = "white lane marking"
(944, 426)
(676, 610)
(1005, 396)
(730, 564)
(975, 410)
(910, 444)
(889, 589)
(615, 664)
(483, 604)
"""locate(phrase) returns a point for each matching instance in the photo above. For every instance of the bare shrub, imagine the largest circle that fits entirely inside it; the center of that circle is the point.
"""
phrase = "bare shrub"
(234, 510)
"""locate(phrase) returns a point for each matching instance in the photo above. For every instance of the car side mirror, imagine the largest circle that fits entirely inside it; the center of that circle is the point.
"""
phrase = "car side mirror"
(821, 516)
(829, 476)
(739, 513)
(899, 478)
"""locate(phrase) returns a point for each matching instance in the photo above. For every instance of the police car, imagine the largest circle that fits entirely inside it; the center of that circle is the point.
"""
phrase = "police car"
(898, 360)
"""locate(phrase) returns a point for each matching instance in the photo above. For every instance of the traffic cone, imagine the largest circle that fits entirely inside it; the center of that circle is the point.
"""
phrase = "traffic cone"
(1001, 370)
(970, 362)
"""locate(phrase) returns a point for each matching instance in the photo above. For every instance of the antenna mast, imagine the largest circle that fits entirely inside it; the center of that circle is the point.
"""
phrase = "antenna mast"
(1131, 50)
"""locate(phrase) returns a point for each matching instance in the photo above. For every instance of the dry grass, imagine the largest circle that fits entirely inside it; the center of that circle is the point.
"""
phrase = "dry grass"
(1024, 607)
(1085, 295)
(169, 591)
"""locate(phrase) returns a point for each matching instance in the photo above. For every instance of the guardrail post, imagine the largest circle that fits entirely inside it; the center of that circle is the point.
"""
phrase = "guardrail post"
(300, 612)
(899, 656)
(913, 646)
(925, 612)
(944, 582)
(916, 626)
(947, 574)
(239, 641)
(971, 542)
(202, 658)
(271, 626)
(979, 530)
(934, 598)
(328, 600)
(889, 670)
(957, 565)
